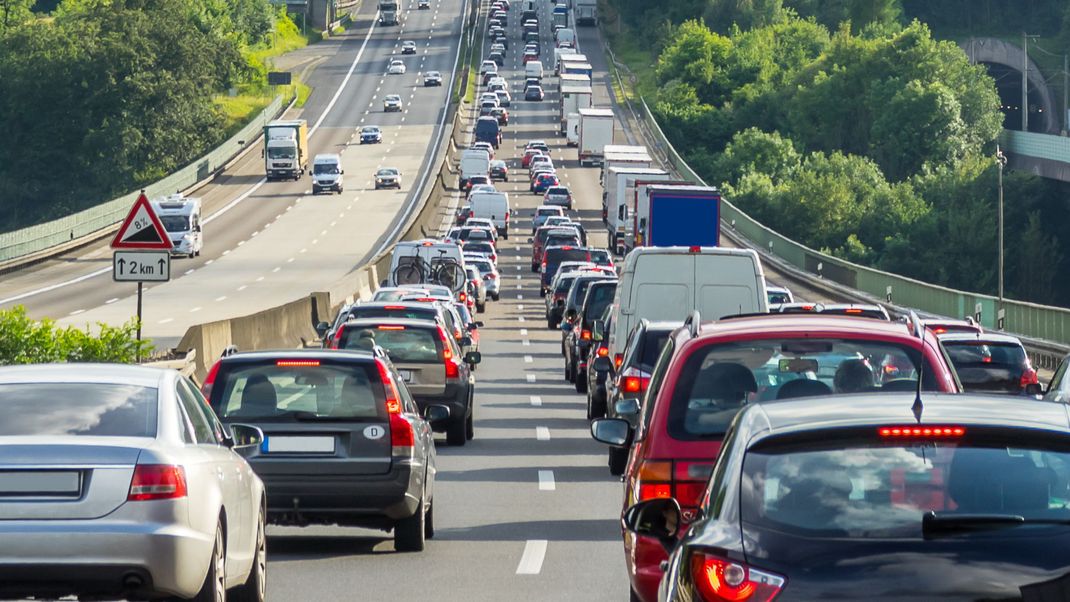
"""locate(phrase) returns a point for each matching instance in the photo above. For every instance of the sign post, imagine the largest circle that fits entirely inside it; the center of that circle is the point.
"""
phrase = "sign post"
(142, 251)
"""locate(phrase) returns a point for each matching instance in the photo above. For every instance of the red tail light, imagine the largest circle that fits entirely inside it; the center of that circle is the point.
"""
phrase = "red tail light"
(602, 352)
(689, 483)
(618, 359)
(337, 341)
(206, 387)
(452, 369)
(585, 335)
(157, 482)
(393, 400)
(631, 384)
(462, 297)
(654, 480)
(721, 580)
(401, 434)
(1029, 377)
(491, 276)
(914, 431)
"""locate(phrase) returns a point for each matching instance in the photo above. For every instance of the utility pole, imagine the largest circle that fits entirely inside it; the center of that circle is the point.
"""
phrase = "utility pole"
(1001, 161)
(1025, 85)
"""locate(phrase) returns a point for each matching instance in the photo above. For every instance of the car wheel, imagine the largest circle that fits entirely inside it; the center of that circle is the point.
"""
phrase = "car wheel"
(429, 521)
(496, 296)
(214, 588)
(469, 427)
(457, 432)
(549, 324)
(255, 587)
(409, 532)
(534, 267)
(618, 460)
(481, 308)
(598, 407)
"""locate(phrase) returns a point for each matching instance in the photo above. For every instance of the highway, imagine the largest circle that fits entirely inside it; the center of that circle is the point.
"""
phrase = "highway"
(269, 243)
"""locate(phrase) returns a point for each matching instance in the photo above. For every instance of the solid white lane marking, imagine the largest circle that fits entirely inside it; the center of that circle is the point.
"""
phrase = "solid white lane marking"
(110, 301)
(546, 480)
(536, 400)
(528, 359)
(542, 433)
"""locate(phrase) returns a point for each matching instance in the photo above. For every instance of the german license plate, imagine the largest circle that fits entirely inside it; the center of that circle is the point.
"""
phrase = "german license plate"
(406, 375)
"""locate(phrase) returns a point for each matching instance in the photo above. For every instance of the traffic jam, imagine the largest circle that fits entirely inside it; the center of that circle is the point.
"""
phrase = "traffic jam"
(767, 447)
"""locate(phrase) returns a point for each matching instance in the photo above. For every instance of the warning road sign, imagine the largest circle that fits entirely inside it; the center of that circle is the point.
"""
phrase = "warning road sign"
(141, 229)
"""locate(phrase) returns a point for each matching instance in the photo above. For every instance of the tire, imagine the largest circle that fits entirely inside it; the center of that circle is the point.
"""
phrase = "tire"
(568, 377)
(410, 533)
(506, 235)
(457, 432)
(214, 587)
(549, 324)
(597, 407)
(469, 427)
(581, 383)
(534, 267)
(255, 587)
(481, 308)
(618, 460)
(429, 521)
(496, 296)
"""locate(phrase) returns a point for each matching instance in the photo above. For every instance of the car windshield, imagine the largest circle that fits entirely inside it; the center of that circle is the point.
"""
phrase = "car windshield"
(77, 409)
(601, 257)
(175, 223)
(403, 343)
(281, 390)
(393, 98)
(370, 131)
(433, 74)
(325, 168)
(986, 366)
(281, 152)
(863, 488)
(717, 381)
(387, 172)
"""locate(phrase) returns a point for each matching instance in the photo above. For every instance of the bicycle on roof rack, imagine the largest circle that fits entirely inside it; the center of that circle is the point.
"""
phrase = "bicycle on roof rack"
(442, 270)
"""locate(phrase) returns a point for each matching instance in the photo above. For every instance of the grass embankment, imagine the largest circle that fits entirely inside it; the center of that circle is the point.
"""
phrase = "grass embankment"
(628, 49)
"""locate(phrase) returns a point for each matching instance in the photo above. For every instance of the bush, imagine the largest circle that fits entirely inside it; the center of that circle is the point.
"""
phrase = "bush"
(27, 341)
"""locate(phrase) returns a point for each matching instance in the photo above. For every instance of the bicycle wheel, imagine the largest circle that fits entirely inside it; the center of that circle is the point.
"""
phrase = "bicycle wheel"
(408, 274)
(450, 275)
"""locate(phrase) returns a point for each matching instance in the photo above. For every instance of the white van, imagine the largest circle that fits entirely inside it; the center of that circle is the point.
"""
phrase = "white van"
(327, 173)
(427, 261)
(181, 217)
(572, 129)
(474, 162)
(668, 283)
(493, 206)
(565, 38)
(533, 69)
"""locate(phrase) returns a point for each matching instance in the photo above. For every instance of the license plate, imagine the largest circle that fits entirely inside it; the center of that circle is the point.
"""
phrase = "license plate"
(406, 375)
(299, 445)
(40, 482)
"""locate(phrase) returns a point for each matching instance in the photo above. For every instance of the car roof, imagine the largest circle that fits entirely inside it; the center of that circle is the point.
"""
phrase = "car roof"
(774, 324)
(406, 322)
(142, 376)
(978, 337)
(390, 304)
(887, 409)
(313, 353)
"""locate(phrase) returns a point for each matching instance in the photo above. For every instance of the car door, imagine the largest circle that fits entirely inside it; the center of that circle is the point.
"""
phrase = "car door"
(220, 467)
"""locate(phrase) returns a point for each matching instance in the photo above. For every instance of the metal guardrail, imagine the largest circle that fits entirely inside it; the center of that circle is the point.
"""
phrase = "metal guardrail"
(33, 239)
(1037, 146)
(1044, 329)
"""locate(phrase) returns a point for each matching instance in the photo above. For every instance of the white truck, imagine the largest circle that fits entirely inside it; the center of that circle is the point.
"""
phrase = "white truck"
(181, 217)
(576, 58)
(586, 12)
(474, 162)
(286, 149)
(619, 181)
(597, 126)
(573, 97)
(614, 156)
(565, 37)
(560, 52)
(572, 129)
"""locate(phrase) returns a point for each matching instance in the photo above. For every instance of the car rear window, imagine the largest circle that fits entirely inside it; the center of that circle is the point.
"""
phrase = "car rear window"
(579, 290)
(299, 389)
(78, 409)
(548, 211)
(403, 343)
(555, 257)
(598, 299)
(479, 247)
(412, 313)
(600, 256)
(717, 380)
(564, 283)
(650, 349)
(778, 297)
(986, 366)
(863, 487)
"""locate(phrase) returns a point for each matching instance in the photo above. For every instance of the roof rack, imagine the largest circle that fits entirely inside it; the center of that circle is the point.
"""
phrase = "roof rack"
(693, 322)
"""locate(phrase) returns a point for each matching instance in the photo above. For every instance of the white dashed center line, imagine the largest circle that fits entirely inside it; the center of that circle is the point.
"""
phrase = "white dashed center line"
(546, 480)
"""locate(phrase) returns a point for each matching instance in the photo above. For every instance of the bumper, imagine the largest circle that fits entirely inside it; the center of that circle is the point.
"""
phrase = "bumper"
(115, 556)
(356, 500)
(284, 173)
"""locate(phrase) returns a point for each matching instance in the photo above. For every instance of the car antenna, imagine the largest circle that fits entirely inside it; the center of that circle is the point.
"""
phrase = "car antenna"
(919, 331)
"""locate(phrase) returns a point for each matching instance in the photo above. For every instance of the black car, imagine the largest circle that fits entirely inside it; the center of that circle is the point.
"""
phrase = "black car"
(344, 442)
(629, 380)
(391, 309)
(554, 255)
(533, 93)
(990, 363)
(555, 299)
(954, 498)
(371, 134)
(576, 337)
(599, 296)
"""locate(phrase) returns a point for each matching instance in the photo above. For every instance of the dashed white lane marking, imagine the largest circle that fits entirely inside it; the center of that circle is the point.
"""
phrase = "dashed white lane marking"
(243, 287)
(523, 332)
(76, 312)
(528, 359)
(520, 308)
(290, 260)
(531, 378)
(226, 252)
(221, 298)
(259, 278)
(519, 296)
(518, 287)
(520, 319)
(189, 271)
(166, 320)
(195, 310)
(273, 271)
(518, 268)
(526, 343)
(209, 262)
(546, 480)
(531, 559)
(110, 301)
(542, 433)
(536, 400)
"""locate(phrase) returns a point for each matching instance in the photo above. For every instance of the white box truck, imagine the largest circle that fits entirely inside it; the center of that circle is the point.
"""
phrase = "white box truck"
(615, 205)
(286, 149)
(474, 162)
(573, 97)
(572, 129)
(613, 158)
(574, 57)
(597, 126)
(586, 12)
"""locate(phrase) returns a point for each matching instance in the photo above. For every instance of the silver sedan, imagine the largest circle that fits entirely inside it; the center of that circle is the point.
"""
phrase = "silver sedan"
(119, 481)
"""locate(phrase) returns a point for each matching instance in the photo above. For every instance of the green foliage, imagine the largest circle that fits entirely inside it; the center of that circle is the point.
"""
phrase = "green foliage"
(744, 14)
(14, 14)
(693, 58)
(755, 151)
(27, 341)
(860, 13)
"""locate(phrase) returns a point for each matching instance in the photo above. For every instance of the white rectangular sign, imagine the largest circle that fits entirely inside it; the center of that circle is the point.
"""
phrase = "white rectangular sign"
(141, 266)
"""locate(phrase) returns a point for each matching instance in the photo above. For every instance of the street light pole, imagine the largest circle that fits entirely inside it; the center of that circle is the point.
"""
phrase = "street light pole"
(1001, 162)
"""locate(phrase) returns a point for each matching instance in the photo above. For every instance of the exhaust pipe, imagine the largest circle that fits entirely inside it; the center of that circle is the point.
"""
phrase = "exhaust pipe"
(133, 581)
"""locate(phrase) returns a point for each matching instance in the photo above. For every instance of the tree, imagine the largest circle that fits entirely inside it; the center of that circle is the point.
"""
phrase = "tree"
(921, 123)
(745, 14)
(755, 151)
(831, 13)
(1035, 263)
(14, 14)
(693, 57)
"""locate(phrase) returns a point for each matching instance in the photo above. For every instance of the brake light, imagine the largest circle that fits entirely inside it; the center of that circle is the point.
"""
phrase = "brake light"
(618, 359)
(393, 400)
(462, 297)
(452, 370)
(297, 363)
(654, 480)
(428, 244)
(391, 328)
(853, 310)
(157, 482)
(722, 580)
(209, 380)
(585, 335)
(913, 432)
(602, 352)
(1029, 377)
(393, 307)
(689, 483)
(694, 249)
(401, 434)
(939, 330)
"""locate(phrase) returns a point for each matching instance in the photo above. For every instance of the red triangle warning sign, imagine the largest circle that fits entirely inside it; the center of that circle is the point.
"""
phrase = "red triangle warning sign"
(141, 229)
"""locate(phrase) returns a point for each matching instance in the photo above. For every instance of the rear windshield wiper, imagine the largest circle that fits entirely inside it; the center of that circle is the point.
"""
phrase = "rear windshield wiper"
(936, 523)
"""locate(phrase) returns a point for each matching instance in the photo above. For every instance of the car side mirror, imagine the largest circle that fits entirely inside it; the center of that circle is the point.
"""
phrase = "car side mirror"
(658, 518)
(530, 240)
(341, 172)
(322, 328)
(465, 341)
(1034, 389)
(245, 436)
(436, 413)
(602, 364)
(473, 357)
(627, 407)
(478, 324)
(611, 431)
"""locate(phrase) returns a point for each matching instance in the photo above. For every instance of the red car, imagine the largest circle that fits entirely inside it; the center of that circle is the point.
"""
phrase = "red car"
(711, 370)
(529, 154)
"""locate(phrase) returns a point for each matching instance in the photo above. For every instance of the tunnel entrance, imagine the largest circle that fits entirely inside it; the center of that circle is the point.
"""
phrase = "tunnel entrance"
(1009, 86)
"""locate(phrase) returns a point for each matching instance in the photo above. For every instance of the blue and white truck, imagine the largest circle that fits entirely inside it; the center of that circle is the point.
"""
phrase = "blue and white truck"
(673, 215)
